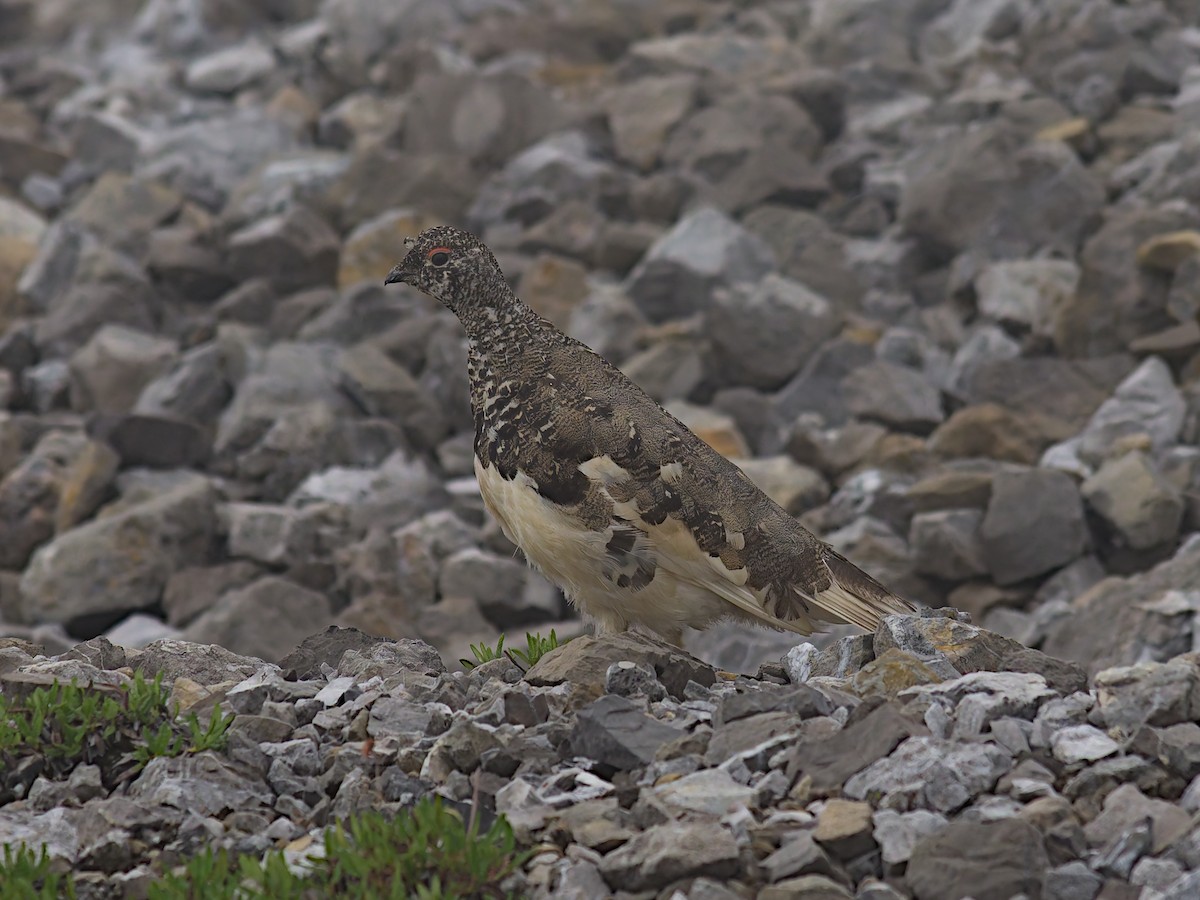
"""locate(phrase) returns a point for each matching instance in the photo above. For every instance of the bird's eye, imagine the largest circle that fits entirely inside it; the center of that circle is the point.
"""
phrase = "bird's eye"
(439, 257)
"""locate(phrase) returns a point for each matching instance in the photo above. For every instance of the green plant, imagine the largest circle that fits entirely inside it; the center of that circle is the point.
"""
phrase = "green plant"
(425, 852)
(483, 653)
(26, 876)
(536, 647)
(118, 728)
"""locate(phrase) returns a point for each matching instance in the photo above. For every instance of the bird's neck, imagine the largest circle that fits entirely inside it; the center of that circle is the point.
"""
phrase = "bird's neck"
(502, 333)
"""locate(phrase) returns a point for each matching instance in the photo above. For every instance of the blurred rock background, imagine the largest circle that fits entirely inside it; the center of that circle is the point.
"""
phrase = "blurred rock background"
(929, 270)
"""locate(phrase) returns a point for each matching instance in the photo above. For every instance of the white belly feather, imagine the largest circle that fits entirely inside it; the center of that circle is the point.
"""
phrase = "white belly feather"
(573, 557)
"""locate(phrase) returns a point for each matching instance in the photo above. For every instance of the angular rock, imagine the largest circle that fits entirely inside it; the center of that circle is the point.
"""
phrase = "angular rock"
(924, 772)
(706, 250)
(1138, 504)
(120, 563)
(984, 860)
(763, 334)
(294, 250)
(862, 743)
(1034, 524)
(109, 372)
(1145, 403)
(895, 395)
(1022, 212)
(710, 791)
(898, 834)
(1120, 621)
(231, 68)
(206, 664)
(584, 661)
(1127, 806)
(642, 113)
(844, 828)
(60, 483)
(1026, 292)
(267, 619)
(666, 853)
(618, 735)
(947, 544)
(1148, 693)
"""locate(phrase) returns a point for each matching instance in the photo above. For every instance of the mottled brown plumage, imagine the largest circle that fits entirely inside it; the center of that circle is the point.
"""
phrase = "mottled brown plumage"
(615, 500)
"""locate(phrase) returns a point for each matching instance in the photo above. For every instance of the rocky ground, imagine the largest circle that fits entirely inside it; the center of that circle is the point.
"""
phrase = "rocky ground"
(930, 270)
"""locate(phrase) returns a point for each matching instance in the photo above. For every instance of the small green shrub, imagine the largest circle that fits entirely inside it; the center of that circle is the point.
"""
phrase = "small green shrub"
(426, 852)
(536, 647)
(118, 729)
(28, 876)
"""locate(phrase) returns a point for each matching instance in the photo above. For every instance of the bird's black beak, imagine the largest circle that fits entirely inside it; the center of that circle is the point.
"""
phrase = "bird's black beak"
(398, 275)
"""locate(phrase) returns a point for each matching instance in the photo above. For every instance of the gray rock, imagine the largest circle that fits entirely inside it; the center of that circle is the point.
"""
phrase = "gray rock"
(156, 442)
(762, 334)
(393, 661)
(203, 783)
(290, 375)
(1148, 693)
(1071, 881)
(203, 158)
(294, 250)
(184, 260)
(1145, 403)
(110, 371)
(899, 833)
(798, 854)
(642, 113)
(1034, 524)
(618, 735)
(120, 563)
(60, 483)
(665, 853)
(924, 772)
(897, 396)
(487, 118)
(552, 172)
(984, 860)
(857, 747)
(195, 388)
(192, 590)
(267, 619)
(986, 345)
(948, 209)
(710, 791)
(628, 679)
(497, 584)
(206, 664)
(681, 272)
(1127, 807)
(1082, 743)
(139, 630)
(328, 648)
(947, 543)
(386, 390)
(1138, 504)
(816, 887)
(230, 69)
(122, 211)
(1026, 292)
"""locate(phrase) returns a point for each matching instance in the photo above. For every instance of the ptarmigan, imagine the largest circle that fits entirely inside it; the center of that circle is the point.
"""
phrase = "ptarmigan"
(612, 498)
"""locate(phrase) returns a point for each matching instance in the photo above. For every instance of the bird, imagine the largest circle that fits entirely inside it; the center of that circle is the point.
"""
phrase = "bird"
(636, 519)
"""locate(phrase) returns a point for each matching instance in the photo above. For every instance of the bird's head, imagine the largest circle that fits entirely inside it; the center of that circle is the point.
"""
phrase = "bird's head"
(451, 266)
